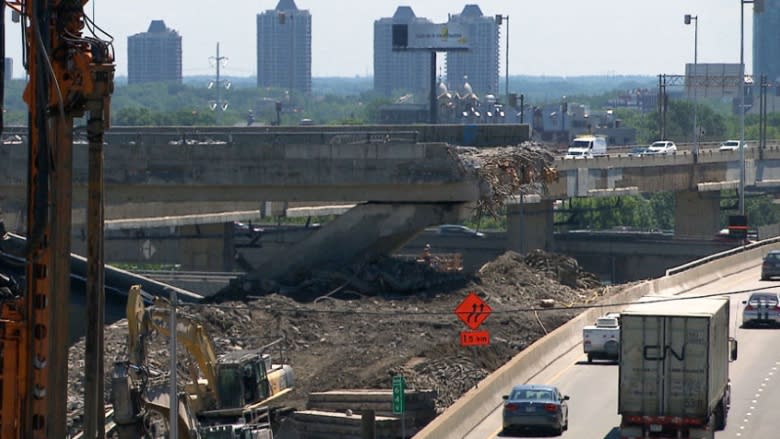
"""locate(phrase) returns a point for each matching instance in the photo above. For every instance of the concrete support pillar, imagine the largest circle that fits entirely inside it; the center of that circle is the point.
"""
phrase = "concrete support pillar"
(207, 247)
(530, 224)
(696, 214)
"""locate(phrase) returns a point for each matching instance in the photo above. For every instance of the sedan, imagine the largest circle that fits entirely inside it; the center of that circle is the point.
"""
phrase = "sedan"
(762, 308)
(770, 266)
(535, 407)
(730, 145)
(455, 229)
(639, 151)
(662, 147)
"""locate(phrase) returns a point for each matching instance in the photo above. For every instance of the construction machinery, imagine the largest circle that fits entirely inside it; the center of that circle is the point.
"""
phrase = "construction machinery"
(229, 393)
(70, 75)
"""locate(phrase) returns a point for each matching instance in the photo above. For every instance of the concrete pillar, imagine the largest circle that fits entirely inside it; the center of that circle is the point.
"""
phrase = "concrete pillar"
(696, 214)
(207, 247)
(530, 224)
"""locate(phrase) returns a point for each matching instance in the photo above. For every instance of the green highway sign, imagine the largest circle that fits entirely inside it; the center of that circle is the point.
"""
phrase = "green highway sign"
(399, 402)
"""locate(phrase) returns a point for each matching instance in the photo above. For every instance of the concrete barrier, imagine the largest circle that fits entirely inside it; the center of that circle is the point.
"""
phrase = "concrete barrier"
(479, 402)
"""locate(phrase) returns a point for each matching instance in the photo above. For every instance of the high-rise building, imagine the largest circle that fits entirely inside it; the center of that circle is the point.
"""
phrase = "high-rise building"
(154, 55)
(399, 71)
(479, 65)
(284, 48)
(766, 42)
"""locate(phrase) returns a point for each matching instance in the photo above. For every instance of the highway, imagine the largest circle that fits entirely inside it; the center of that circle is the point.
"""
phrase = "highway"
(593, 387)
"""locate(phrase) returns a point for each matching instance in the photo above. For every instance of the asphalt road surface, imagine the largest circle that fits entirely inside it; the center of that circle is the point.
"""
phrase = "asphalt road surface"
(755, 379)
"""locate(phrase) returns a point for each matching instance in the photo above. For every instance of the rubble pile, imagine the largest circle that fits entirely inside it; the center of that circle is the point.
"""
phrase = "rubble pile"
(362, 340)
(508, 172)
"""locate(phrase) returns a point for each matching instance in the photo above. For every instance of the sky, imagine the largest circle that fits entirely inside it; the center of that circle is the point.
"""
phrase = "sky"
(546, 38)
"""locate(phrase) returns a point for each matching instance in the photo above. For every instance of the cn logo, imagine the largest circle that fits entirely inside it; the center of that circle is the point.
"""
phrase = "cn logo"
(659, 353)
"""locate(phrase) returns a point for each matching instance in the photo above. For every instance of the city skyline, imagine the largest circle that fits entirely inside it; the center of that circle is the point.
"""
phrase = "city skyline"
(554, 38)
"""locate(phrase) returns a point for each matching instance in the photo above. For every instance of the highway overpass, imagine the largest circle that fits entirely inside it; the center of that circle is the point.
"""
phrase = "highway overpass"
(557, 359)
(404, 185)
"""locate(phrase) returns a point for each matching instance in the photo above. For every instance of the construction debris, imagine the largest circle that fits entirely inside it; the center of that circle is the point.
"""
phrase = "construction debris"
(363, 337)
(508, 172)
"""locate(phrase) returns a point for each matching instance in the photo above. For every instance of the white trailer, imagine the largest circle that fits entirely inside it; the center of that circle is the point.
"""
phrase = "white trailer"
(674, 367)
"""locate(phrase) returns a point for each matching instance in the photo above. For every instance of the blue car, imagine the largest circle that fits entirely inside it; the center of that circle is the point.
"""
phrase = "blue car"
(535, 407)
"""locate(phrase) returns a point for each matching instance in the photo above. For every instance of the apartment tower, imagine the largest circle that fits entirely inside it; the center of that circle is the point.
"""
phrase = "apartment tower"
(479, 65)
(154, 55)
(399, 72)
(284, 48)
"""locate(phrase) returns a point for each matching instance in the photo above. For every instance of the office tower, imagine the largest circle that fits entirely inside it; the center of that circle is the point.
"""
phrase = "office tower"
(284, 48)
(766, 42)
(397, 72)
(478, 65)
(154, 55)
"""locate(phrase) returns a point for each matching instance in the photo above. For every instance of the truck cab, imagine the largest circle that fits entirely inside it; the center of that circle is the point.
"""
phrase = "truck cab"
(587, 146)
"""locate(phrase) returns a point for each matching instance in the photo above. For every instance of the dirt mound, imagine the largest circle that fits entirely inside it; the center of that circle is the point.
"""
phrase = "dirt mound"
(361, 340)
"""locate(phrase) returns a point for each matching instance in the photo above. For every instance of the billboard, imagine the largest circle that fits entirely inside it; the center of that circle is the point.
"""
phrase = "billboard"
(430, 36)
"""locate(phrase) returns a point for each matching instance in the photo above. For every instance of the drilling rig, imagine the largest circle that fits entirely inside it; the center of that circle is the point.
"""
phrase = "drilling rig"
(70, 68)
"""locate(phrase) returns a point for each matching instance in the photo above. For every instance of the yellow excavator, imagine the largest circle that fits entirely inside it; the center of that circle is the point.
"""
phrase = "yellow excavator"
(231, 392)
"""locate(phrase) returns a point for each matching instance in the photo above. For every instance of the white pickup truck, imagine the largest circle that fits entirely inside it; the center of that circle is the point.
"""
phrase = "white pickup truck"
(602, 340)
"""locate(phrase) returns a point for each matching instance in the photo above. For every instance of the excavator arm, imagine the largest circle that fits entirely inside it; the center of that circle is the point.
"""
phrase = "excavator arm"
(143, 320)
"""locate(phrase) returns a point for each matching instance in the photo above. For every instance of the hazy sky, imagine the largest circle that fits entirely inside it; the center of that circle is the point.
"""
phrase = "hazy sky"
(548, 37)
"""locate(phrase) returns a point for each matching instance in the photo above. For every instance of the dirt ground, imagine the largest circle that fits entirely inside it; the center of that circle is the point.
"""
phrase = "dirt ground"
(354, 329)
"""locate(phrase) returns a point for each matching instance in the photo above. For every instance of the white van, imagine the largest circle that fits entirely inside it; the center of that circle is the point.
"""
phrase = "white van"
(587, 146)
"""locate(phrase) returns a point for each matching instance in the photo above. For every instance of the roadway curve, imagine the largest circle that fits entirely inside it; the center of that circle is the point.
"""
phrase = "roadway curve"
(593, 387)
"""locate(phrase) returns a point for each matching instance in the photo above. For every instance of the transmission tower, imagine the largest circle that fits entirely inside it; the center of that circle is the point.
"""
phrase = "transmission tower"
(218, 105)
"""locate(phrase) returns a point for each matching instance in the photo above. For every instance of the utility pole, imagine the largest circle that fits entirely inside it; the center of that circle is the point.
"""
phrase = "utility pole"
(219, 105)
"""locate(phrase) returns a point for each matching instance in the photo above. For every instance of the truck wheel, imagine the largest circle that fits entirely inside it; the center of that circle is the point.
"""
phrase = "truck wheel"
(612, 348)
(720, 417)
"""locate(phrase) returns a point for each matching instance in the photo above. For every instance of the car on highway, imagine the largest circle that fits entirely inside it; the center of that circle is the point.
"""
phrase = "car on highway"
(639, 151)
(458, 230)
(532, 407)
(770, 266)
(761, 308)
(731, 145)
(661, 147)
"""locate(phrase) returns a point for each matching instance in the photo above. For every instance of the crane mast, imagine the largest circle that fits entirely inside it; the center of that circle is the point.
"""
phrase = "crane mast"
(69, 73)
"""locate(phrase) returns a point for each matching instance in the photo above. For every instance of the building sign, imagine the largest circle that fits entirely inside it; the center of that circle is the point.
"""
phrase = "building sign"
(430, 36)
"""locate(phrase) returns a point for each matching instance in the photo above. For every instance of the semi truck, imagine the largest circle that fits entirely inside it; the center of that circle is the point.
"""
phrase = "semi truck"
(674, 367)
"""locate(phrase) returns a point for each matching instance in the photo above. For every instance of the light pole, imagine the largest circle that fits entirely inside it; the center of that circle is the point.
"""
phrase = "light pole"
(741, 82)
(688, 18)
(499, 20)
(758, 7)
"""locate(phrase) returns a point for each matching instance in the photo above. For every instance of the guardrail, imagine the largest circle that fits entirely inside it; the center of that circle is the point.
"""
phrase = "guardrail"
(721, 255)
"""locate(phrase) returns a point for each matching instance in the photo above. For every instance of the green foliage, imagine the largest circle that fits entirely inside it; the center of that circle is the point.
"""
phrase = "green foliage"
(651, 212)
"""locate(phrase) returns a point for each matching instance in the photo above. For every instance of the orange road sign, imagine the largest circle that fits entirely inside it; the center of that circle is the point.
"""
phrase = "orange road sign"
(474, 338)
(473, 311)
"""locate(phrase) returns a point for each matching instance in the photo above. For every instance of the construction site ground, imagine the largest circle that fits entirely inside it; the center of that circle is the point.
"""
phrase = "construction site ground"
(355, 329)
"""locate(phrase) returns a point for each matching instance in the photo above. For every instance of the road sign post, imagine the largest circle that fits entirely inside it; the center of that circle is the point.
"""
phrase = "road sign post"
(399, 400)
(473, 311)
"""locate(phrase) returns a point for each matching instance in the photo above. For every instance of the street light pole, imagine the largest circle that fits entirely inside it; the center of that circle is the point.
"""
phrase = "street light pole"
(688, 18)
(506, 64)
(499, 21)
(741, 81)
